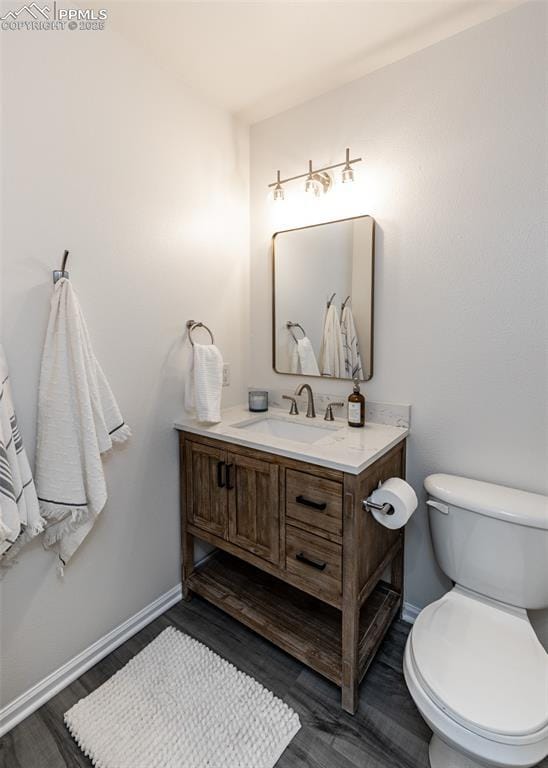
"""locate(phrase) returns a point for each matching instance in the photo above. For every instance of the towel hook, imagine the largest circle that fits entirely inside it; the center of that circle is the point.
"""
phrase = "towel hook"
(330, 301)
(59, 273)
(345, 302)
(192, 325)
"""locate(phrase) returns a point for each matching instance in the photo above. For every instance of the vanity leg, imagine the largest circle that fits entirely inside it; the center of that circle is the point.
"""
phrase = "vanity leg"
(350, 671)
(187, 565)
(398, 564)
(397, 571)
(350, 661)
(187, 540)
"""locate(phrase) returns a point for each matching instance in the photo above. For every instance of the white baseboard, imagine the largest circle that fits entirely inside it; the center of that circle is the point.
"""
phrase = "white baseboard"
(29, 701)
(410, 613)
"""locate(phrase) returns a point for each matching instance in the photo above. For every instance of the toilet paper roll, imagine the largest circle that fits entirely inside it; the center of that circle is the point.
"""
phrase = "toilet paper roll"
(401, 496)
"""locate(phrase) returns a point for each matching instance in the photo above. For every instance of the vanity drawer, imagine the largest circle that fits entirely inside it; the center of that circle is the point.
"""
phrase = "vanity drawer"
(314, 502)
(317, 561)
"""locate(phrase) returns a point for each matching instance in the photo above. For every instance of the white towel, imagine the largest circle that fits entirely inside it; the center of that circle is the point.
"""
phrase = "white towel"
(204, 383)
(78, 420)
(294, 362)
(352, 360)
(20, 519)
(331, 351)
(303, 359)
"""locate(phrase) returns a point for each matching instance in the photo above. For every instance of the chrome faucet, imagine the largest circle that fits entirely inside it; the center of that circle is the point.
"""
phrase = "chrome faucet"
(310, 409)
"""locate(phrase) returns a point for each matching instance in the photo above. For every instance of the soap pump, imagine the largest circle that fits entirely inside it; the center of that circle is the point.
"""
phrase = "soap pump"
(356, 407)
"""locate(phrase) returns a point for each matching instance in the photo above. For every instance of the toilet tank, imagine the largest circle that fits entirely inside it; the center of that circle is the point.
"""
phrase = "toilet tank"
(491, 539)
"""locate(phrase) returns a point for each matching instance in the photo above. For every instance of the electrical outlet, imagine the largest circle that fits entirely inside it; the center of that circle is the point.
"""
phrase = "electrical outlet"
(226, 374)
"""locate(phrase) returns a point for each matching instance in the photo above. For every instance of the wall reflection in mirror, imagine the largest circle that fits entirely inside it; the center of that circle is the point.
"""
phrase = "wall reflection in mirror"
(323, 299)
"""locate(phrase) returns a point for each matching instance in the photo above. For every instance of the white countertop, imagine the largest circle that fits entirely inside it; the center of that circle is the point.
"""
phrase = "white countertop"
(348, 449)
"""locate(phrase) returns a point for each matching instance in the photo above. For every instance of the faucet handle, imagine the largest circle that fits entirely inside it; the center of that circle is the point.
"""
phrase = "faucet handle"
(329, 411)
(293, 411)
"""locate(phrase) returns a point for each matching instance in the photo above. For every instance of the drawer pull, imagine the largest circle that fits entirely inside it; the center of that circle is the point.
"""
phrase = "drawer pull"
(220, 474)
(321, 505)
(302, 558)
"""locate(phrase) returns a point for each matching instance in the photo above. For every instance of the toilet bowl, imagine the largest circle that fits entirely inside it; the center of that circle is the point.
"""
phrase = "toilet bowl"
(473, 663)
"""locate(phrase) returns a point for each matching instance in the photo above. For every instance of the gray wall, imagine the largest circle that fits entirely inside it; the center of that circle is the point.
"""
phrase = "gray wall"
(453, 141)
(147, 186)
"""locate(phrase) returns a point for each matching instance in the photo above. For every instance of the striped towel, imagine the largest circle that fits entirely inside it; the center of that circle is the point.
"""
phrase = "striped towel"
(20, 518)
(352, 359)
(78, 421)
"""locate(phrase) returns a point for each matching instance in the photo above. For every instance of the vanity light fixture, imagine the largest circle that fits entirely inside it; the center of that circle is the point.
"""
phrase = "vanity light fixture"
(347, 173)
(310, 185)
(317, 181)
(278, 189)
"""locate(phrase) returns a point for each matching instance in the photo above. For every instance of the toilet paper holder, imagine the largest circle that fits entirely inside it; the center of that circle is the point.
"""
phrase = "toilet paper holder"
(368, 505)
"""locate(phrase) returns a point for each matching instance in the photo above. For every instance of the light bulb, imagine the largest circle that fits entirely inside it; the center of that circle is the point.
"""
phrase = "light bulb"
(278, 189)
(347, 174)
(312, 187)
(278, 192)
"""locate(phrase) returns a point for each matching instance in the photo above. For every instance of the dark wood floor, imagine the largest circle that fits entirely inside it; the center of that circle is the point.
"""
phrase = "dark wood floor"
(386, 732)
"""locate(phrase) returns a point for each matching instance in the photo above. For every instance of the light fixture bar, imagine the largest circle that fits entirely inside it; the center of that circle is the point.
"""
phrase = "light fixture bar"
(317, 170)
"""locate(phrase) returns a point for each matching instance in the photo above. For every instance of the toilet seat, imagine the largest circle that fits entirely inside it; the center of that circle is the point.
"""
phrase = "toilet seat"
(483, 666)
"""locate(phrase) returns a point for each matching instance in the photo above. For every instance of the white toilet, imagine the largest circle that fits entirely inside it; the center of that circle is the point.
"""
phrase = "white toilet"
(473, 664)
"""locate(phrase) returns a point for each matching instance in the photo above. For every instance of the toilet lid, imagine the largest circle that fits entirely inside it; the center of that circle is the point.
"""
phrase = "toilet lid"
(482, 665)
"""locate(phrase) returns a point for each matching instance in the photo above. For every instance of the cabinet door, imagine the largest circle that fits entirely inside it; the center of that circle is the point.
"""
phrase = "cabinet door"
(206, 488)
(253, 506)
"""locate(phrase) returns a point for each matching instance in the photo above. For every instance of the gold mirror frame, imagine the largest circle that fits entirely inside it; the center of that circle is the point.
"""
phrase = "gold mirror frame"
(372, 297)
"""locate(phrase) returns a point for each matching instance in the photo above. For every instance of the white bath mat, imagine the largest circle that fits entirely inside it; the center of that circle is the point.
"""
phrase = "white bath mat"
(179, 705)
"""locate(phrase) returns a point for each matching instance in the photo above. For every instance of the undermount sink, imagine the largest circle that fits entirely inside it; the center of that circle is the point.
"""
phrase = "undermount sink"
(288, 430)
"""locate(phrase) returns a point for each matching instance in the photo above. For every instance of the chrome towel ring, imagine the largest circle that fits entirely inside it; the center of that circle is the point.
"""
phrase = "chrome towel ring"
(192, 325)
(289, 325)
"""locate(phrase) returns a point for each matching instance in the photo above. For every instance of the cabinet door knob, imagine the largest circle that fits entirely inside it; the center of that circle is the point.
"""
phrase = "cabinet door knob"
(220, 474)
(321, 505)
(302, 558)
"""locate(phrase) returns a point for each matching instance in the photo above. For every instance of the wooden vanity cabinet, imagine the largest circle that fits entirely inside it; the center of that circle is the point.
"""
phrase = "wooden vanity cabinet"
(298, 559)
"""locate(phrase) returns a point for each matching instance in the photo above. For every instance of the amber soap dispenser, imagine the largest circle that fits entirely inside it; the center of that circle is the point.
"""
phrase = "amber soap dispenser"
(356, 407)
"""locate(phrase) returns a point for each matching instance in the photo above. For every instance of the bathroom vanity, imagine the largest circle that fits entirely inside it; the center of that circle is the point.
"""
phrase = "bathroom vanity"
(298, 560)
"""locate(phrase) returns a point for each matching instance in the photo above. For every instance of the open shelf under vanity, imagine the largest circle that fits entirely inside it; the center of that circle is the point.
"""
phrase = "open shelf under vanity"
(306, 628)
